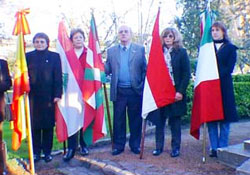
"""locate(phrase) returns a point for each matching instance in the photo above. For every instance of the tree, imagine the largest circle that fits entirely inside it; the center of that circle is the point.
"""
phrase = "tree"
(234, 13)
(189, 24)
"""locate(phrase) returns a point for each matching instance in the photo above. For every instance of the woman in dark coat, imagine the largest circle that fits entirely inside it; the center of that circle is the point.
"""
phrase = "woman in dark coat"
(5, 84)
(226, 59)
(45, 75)
(177, 61)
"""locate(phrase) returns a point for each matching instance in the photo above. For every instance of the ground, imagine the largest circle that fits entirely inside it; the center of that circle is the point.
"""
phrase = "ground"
(100, 161)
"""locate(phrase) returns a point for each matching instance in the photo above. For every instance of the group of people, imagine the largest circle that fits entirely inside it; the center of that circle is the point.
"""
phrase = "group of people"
(126, 64)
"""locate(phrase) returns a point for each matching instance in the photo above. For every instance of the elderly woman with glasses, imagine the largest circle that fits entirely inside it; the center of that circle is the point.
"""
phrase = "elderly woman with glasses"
(177, 61)
(45, 77)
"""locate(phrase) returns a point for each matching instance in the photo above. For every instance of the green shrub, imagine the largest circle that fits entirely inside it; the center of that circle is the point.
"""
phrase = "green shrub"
(241, 92)
(242, 98)
(241, 78)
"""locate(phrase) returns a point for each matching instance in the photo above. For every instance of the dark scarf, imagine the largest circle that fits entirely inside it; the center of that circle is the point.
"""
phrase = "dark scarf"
(220, 41)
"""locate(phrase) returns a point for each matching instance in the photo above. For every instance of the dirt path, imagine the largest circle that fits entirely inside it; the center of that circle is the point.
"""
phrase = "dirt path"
(100, 161)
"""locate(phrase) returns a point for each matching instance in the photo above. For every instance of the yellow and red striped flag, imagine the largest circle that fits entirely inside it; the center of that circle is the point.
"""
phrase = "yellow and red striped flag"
(20, 105)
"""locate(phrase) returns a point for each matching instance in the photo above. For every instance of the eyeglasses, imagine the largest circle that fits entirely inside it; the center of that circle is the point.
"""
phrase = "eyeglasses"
(169, 36)
(123, 31)
(39, 41)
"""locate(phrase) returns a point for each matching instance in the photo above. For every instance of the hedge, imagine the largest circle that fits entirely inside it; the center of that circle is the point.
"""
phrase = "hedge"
(241, 78)
(241, 92)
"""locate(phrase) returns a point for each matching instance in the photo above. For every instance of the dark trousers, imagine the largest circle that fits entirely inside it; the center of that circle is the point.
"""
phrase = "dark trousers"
(127, 102)
(72, 140)
(42, 141)
(175, 125)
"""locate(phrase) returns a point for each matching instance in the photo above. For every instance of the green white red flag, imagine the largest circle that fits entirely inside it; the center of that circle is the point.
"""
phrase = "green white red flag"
(207, 102)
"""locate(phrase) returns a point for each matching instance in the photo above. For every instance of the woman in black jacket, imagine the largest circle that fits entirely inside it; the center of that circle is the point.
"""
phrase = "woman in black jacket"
(226, 59)
(5, 84)
(45, 77)
(177, 61)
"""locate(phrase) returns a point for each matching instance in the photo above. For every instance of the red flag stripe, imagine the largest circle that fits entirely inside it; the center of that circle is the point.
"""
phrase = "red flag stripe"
(207, 105)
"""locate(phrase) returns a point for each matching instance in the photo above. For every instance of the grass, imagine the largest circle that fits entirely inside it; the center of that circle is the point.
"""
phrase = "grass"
(23, 150)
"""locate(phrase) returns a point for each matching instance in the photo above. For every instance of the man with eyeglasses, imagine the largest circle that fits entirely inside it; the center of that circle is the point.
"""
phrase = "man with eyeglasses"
(126, 63)
(45, 77)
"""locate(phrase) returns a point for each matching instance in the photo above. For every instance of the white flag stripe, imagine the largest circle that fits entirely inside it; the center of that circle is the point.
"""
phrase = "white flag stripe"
(207, 64)
(71, 103)
(89, 58)
(91, 101)
(148, 102)
(98, 50)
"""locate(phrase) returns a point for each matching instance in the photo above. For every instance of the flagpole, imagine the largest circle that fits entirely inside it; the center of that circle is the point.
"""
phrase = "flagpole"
(144, 122)
(1, 150)
(29, 134)
(108, 113)
(204, 142)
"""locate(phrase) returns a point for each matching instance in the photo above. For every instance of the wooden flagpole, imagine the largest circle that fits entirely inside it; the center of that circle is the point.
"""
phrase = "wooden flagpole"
(108, 113)
(29, 134)
(144, 122)
(204, 142)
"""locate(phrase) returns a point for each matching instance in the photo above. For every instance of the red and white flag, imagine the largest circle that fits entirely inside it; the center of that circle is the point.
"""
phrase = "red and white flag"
(158, 90)
(70, 109)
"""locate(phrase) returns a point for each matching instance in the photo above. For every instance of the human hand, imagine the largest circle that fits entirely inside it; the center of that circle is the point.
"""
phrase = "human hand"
(56, 99)
(178, 96)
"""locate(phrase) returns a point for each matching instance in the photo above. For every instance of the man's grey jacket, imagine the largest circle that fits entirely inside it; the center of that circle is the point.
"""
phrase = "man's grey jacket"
(137, 68)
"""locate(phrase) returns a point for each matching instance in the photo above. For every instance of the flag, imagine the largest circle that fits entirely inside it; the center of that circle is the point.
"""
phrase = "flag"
(70, 109)
(20, 105)
(158, 90)
(93, 93)
(207, 102)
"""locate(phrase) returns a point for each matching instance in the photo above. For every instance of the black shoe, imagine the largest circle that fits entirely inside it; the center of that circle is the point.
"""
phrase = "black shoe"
(84, 151)
(157, 152)
(136, 150)
(36, 158)
(69, 155)
(48, 158)
(117, 151)
(213, 153)
(175, 153)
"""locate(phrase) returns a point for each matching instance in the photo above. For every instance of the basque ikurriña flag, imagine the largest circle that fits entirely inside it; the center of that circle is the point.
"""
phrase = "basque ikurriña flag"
(207, 102)
(159, 90)
(94, 122)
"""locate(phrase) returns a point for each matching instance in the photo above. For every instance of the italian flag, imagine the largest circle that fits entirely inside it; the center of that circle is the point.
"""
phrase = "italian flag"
(158, 90)
(20, 105)
(207, 102)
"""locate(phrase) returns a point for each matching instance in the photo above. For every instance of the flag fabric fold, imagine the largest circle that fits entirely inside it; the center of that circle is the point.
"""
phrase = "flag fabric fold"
(207, 102)
(70, 109)
(157, 94)
(21, 88)
(93, 92)
(81, 105)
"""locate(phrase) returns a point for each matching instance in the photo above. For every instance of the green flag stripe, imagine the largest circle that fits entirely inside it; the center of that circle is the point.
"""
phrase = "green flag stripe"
(207, 38)
(99, 98)
(89, 75)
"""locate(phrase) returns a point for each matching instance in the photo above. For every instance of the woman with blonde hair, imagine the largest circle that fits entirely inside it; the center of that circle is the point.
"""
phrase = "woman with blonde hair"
(177, 61)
